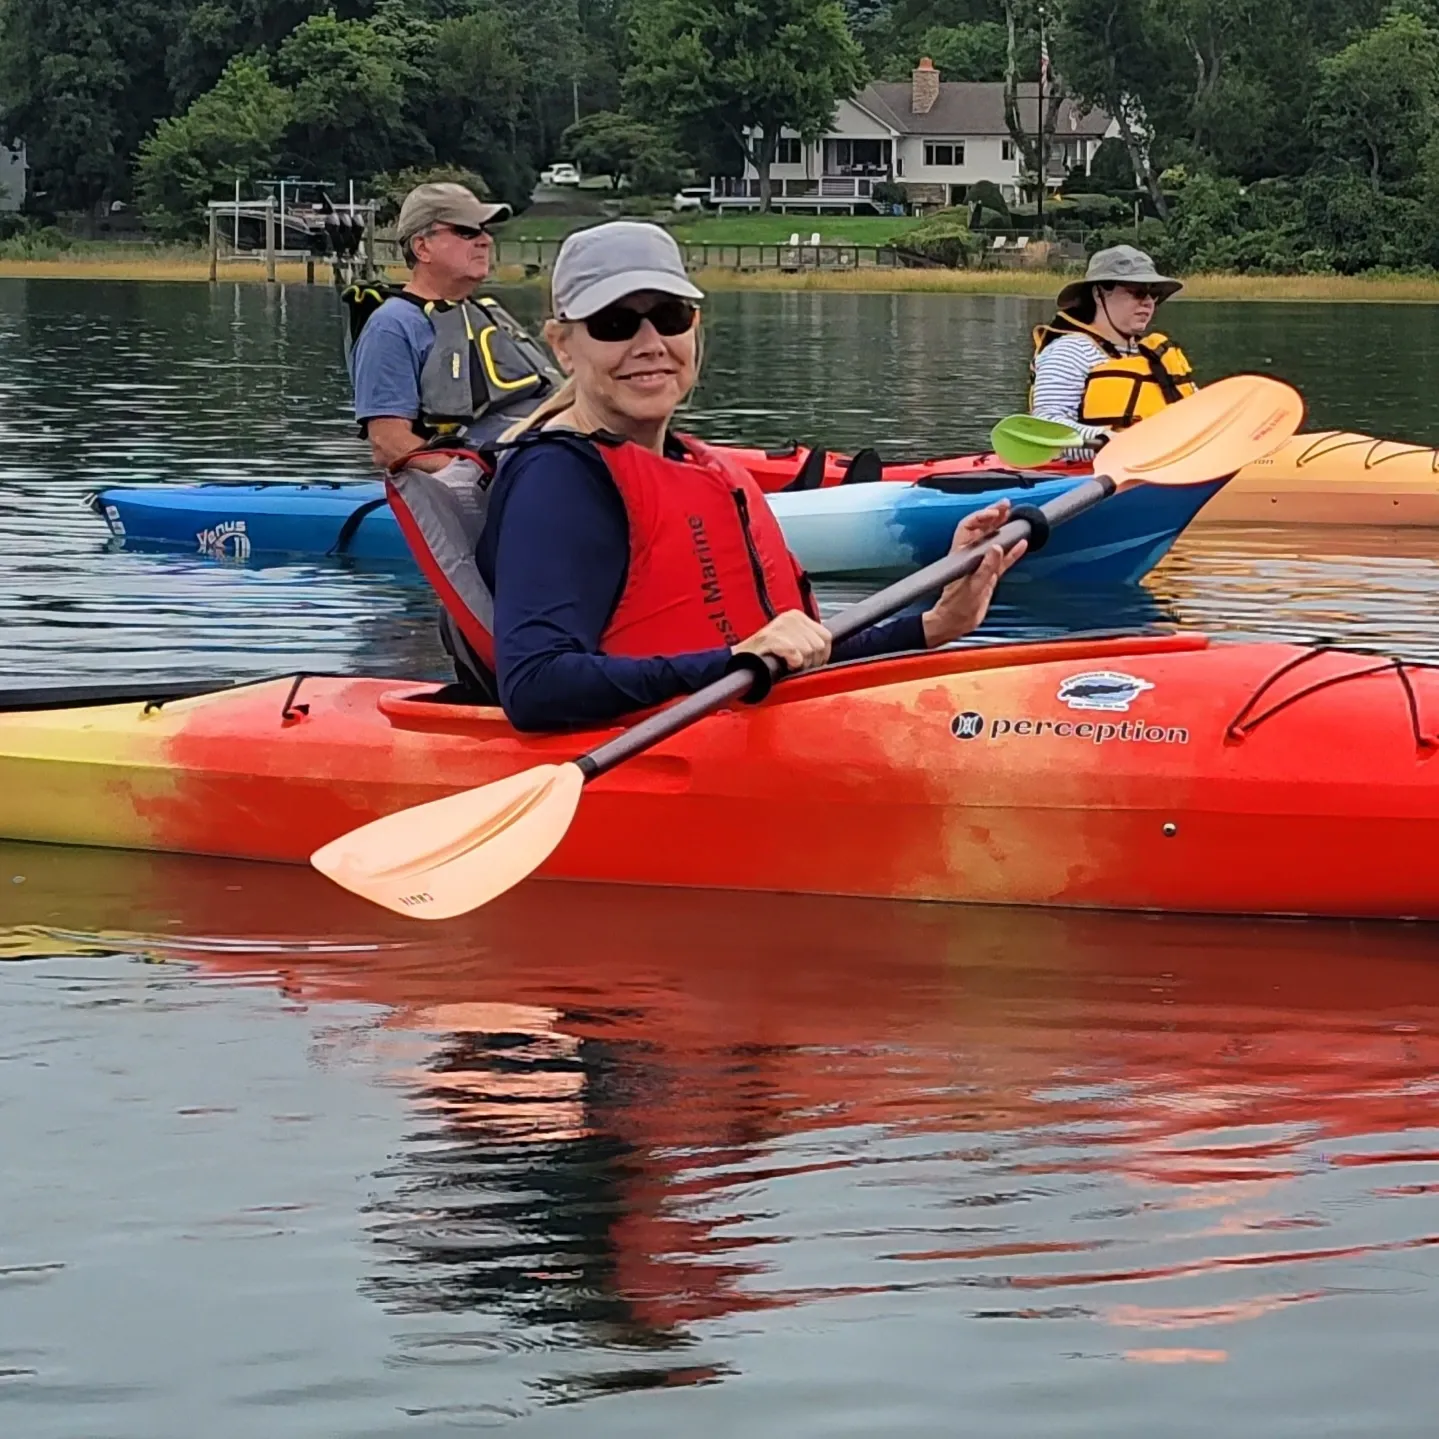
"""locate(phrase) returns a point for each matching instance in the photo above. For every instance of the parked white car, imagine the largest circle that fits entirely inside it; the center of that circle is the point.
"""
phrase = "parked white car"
(560, 175)
(693, 197)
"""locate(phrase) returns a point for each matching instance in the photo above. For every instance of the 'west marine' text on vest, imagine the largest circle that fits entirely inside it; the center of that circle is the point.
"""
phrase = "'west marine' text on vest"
(708, 562)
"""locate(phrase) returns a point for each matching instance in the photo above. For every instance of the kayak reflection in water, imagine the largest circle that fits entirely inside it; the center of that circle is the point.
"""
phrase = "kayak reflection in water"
(621, 565)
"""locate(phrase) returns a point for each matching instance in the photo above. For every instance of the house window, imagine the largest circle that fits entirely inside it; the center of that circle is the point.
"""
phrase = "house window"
(1006, 150)
(788, 151)
(944, 156)
(856, 157)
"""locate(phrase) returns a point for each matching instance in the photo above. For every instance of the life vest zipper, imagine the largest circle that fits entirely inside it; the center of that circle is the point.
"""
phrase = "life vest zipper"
(741, 503)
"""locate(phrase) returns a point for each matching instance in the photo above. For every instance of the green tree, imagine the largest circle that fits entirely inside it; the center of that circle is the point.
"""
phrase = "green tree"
(232, 132)
(466, 95)
(82, 85)
(549, 40)
(604, 53)
(746, 68)
(1378, 98)
(212, 32)
(1107, 49)
(615, 144)
(964, 52)
(347, 79)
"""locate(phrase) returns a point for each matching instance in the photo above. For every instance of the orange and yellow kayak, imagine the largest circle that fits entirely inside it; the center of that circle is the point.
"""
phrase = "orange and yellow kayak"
(1329, 478)
(1158, 773)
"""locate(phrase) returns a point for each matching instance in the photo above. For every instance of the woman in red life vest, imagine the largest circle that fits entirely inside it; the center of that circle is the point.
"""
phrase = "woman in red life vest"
(629, 565)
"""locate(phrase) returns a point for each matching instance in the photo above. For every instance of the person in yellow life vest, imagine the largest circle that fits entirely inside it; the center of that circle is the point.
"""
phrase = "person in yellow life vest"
(1096, 366)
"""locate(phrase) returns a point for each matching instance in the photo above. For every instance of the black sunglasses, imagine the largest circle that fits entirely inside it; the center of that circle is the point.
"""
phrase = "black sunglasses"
(618, 322)
(465, 232)
(1140, 292)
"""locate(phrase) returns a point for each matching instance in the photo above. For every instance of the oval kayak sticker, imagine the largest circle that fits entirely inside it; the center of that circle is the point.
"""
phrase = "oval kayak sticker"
(1103, 690)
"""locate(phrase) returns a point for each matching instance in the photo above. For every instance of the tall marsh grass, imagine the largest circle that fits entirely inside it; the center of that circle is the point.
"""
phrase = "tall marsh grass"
(43, 254)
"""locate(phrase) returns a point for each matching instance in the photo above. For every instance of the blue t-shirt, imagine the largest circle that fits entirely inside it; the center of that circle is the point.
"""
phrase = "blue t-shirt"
(555, 554)
(386, 361)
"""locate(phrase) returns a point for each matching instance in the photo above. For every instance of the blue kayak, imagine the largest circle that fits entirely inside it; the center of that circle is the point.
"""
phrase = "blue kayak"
(875, 529)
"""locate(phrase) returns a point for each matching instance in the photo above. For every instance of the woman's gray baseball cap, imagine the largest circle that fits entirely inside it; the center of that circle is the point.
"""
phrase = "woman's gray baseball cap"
(1119, 265)
(598, 266)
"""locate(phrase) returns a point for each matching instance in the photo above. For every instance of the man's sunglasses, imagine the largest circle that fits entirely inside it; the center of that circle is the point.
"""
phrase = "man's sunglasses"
(1140, 292)
(465, 232)
(618, 322)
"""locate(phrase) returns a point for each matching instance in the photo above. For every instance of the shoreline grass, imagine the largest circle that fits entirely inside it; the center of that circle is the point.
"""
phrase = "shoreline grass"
(180, 263)
(1315, 289)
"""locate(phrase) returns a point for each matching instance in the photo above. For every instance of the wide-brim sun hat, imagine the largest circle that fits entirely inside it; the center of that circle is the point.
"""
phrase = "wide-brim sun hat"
(1119, 265)
(598, 266)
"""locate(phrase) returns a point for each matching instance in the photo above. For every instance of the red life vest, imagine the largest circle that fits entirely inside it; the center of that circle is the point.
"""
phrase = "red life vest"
(708, 565)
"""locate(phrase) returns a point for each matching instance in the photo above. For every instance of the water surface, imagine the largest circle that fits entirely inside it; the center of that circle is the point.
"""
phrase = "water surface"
(134, 383)
(703, 1163)
(627, 1162)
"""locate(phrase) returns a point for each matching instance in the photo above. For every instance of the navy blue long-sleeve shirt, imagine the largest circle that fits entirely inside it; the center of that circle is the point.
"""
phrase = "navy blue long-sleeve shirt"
(555, 554)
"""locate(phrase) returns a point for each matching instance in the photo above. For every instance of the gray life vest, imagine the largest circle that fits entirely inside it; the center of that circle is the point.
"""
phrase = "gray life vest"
(484, 371)
(480, 365)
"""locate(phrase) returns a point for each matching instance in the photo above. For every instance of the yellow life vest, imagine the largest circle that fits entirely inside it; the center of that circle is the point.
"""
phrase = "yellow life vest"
(1123, 389)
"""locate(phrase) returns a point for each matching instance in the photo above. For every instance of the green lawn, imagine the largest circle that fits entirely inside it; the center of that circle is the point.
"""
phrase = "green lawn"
(755, 229)
(544, 227)
(749, 229)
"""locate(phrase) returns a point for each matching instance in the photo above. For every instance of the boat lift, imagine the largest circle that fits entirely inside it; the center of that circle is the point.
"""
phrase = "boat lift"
(295, 220)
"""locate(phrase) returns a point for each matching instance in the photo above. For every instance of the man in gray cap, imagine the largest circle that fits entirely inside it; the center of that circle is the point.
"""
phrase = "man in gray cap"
(1095, 365)
(415, 365)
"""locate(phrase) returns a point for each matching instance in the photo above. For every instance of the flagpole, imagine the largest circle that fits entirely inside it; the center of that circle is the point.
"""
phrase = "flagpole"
(1043, 159)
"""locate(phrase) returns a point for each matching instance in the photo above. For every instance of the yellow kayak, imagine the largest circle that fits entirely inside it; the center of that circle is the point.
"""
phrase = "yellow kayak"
(1333, 478)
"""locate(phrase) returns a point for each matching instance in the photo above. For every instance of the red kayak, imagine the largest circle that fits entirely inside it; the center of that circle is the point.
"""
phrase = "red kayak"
(1159, 773)
(802, 468)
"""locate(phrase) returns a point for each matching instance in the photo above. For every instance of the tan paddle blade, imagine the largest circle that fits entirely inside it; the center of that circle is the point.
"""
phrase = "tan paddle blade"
(454, 854)
(1208, 436)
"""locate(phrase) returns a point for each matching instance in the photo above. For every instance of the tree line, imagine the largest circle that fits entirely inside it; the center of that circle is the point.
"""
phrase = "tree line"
(1286, 136)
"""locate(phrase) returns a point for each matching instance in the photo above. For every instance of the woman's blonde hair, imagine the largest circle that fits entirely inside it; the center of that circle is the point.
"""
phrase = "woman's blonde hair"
(564, 398)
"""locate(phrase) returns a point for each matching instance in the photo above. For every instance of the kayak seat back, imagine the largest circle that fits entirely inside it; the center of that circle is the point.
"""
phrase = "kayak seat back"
(441, 516)
(811, 473)
(976, 482)
(866, 468)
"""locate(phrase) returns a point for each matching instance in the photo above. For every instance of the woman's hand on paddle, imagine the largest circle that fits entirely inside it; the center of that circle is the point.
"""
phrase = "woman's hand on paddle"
(799, 642)
(962, 606)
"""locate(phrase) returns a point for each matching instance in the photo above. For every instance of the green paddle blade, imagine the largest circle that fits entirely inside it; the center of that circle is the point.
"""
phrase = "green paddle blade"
(1026, 440)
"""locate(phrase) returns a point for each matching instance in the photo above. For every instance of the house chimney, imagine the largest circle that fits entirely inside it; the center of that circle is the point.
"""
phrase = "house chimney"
(925, 89)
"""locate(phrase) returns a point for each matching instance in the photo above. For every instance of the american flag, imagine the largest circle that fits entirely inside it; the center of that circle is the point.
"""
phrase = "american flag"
(1043, 54)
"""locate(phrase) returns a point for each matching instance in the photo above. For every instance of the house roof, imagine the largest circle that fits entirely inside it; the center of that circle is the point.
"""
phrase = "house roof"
(972, 108)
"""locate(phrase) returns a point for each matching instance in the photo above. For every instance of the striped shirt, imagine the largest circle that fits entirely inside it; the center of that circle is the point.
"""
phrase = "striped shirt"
(1061, 372)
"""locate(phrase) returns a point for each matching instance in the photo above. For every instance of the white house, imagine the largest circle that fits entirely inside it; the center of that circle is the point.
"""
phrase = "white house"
(12, 177)
(934, 138)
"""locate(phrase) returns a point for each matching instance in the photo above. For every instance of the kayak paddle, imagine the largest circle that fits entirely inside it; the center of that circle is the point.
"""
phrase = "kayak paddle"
(451, 855)
(1025, 440)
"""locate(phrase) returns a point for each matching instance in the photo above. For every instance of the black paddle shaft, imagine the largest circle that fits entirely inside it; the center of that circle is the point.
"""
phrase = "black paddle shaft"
(889, 601)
